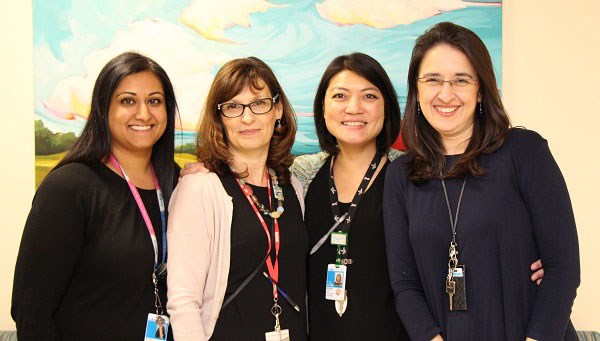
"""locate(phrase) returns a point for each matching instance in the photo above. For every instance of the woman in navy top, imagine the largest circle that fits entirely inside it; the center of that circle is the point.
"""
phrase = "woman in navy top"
(472, 204)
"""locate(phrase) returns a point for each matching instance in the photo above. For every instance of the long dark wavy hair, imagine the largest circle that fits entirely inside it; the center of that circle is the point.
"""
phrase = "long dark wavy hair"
(212, 143)
(94, 144)
(490, 128)
(370, 69)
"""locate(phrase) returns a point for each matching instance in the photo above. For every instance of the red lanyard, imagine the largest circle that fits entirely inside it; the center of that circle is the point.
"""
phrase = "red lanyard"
(273, 267)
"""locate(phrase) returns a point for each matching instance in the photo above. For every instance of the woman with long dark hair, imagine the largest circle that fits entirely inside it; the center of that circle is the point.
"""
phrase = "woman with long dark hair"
(95, 236)
(472, 204)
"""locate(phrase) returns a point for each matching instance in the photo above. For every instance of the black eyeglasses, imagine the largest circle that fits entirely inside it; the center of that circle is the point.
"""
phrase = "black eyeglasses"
(258, 107)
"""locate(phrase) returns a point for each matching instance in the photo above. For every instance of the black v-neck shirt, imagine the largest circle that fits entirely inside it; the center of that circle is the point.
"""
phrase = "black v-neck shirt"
(370, 314)
(84, 269)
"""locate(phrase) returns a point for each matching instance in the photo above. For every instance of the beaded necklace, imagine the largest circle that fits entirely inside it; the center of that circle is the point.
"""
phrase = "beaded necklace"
(277, 192)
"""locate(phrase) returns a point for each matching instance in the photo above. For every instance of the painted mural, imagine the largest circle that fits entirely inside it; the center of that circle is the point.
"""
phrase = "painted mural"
(191, 39)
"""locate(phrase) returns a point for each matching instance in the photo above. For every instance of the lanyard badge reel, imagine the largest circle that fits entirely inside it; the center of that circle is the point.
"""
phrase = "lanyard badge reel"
(455, 280)
(273, 238)
(335, 284)
(157, 324)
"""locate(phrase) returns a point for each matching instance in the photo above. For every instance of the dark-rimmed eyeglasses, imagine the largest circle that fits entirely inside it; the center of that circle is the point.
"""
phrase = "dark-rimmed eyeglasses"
(458, 84)
(258, 107)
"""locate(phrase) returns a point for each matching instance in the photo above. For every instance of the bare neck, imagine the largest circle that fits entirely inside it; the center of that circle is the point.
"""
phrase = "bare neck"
(255, 165)
(137, 166)
(350, 167)
(457, 144)
(354, 157)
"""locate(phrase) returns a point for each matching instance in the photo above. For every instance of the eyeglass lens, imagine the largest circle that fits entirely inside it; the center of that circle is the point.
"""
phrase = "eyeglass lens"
(258, 107)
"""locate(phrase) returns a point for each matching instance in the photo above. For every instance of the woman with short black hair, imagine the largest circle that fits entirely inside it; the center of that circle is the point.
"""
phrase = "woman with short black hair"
(357, 118)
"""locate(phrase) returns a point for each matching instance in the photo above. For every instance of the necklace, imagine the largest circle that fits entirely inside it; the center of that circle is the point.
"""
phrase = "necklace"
(277, 192)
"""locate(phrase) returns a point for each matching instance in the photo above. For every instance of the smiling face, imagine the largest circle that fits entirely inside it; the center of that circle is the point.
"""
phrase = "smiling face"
(353, 110)
(250, 133)
(448, 111)
(137, 116)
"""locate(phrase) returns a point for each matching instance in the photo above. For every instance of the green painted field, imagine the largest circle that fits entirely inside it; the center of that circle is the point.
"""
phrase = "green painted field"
(44, 163)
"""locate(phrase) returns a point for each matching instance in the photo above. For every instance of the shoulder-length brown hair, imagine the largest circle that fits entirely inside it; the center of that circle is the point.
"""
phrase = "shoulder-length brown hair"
(212, 144)
(490, 128)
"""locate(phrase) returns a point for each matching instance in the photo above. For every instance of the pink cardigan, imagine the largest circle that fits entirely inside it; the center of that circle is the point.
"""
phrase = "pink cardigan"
(199, 237)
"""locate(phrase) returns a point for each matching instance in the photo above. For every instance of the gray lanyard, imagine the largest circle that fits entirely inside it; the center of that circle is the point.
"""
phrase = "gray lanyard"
(453, 263)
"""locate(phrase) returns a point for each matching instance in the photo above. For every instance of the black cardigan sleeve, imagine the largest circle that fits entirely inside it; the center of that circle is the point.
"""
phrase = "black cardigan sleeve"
(52, 240)
(411, 303)
(545, 192)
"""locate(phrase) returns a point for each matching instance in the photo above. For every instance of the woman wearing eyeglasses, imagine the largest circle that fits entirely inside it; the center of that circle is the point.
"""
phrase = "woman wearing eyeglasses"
(238, 242)
(472, 203)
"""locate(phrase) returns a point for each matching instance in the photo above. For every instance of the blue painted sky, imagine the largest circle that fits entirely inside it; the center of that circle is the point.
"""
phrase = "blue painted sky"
(73, 40)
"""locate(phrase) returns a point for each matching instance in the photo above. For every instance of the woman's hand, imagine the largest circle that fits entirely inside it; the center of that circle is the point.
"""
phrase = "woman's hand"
(539, 271)
(192, 168)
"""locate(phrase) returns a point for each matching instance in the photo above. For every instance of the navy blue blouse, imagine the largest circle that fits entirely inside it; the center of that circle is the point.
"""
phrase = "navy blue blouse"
(517, 212)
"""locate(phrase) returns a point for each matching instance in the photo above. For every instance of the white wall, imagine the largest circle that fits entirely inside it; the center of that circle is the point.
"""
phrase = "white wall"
(16, 138)
(551, 83)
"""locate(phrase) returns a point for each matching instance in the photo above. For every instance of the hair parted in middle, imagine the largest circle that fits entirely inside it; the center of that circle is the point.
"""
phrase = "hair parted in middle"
(370, 69)
(94, 144)
(490, 128)
(230, 80)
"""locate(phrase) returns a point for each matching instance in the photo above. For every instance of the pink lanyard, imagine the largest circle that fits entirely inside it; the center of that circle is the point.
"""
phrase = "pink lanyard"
(142, 207)
(273, 267)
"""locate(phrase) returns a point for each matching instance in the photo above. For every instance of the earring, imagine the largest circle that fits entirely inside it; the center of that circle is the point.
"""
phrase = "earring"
(481, 108)
(419, 113)
(278, 123)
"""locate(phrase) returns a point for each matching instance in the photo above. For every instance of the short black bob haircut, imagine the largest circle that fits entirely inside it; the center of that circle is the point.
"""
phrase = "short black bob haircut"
(370, 69)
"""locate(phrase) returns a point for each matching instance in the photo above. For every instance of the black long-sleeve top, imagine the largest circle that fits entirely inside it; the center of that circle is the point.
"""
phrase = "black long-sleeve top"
(517, 212)
(84, 269)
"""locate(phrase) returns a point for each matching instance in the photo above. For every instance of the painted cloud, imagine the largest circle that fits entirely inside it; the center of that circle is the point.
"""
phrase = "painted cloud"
(179, 53)
(385, 13)
(211, 18)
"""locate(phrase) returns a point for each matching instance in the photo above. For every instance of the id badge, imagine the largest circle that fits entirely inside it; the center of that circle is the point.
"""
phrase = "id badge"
(157, 327)
(459, 300)
(339, 238)
(335, 285)
(278, 335)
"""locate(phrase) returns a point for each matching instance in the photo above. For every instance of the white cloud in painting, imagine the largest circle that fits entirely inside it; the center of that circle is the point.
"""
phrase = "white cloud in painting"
(211, 18)
(189, 65)
(385, 13)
